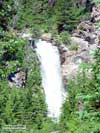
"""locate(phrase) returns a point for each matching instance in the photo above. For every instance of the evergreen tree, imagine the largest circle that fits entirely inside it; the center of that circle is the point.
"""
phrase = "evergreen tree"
(6, 13)
(68, 15)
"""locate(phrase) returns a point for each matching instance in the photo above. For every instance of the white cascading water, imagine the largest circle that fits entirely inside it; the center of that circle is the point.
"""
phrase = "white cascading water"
(51, 77)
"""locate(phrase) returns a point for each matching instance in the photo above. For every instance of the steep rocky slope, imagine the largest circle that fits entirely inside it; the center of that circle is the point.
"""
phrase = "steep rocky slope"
(84, 41)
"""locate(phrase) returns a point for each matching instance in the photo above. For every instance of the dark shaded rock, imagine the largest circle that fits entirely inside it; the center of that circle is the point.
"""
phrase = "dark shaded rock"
(1, 3)
(62, 59)
(60, 27)
(90, 37)
(4, 24)
(11, 77)
(95, 15)
(32, 43)
(90, 40)
(62, 50)
(18, 78)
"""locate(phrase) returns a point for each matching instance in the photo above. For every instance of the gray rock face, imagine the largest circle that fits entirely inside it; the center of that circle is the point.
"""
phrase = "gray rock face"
(95, 15)
(82, 44)
(86, 38)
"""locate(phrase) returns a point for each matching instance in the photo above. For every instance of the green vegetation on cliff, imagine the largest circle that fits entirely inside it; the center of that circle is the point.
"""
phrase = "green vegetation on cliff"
(26, 106)
(81, 111)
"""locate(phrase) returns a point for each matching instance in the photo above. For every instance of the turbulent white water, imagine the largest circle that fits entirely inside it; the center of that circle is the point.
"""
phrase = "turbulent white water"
(51, 77)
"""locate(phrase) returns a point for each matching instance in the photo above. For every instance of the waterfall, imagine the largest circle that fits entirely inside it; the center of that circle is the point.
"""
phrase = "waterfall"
(51, 77)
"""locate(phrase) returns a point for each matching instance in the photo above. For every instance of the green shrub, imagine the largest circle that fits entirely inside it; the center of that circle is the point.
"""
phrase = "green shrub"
(74, 47)
(65, 37)
(11, 55)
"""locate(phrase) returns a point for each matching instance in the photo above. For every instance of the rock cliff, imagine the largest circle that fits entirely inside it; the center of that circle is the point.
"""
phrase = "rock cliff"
(84, 41)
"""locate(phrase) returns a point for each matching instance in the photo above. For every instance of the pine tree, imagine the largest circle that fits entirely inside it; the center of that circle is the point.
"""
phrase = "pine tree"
(68, 15)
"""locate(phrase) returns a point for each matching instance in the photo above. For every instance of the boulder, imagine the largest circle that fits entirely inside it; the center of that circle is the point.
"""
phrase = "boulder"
(95, 15)
(26, 35)
(76, 35)
(62, 49)
(84, 56)
(85, 26)
(83, 45)
(46, 36)
(90, 37)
